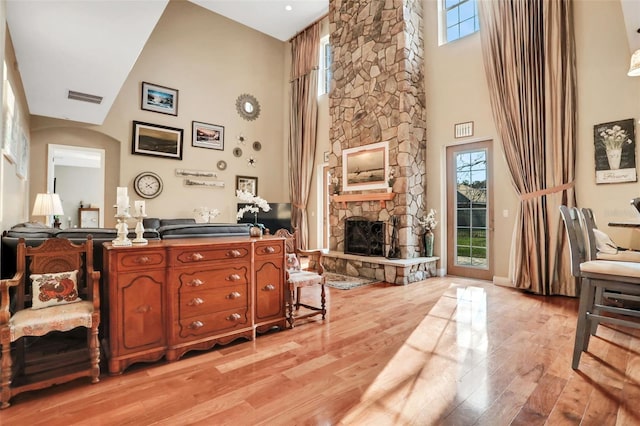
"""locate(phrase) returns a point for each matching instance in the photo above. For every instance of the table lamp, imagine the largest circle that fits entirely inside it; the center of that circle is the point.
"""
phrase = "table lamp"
(47, 205)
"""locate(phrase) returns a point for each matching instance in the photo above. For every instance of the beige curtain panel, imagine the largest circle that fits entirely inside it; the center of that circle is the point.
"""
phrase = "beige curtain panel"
(303, 123)
(529, 57)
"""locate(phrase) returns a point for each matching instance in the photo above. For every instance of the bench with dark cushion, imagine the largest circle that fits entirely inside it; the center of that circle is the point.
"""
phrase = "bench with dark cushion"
(188, 228)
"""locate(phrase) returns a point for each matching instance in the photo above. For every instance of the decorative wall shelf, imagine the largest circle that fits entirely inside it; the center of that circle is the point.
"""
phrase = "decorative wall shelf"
(383, 197)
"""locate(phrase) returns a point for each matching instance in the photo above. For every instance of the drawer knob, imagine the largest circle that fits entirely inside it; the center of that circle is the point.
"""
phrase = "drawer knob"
(195, 282)
(234, 253)
(196, 325)
(233, 295)
(143, 309)
(196, 256)
(195, 301)
(269, 249)
(233, 317)
(142, 260)
(233, 277)
(269, 287)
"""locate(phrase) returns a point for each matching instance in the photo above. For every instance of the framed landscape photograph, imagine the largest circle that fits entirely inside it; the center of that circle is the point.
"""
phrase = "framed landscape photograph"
(365, 167)
(204, 135)
(156, 140)
(247, 183)
(159, 99)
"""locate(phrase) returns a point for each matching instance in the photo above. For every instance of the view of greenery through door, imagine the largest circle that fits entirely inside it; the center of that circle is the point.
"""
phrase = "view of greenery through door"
(471, 208)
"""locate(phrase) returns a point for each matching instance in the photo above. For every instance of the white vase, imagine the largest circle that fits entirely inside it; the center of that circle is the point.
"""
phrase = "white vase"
(613, 156)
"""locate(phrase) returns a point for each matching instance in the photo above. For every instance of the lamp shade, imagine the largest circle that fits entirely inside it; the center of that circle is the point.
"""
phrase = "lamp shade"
(47, 205)
(634, 69)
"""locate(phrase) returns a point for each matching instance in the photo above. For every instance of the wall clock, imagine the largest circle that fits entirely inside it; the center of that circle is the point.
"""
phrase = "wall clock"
(148, 185)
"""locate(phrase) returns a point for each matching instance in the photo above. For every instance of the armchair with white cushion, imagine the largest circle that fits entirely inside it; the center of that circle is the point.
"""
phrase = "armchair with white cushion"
(299, 277)
(54, 290)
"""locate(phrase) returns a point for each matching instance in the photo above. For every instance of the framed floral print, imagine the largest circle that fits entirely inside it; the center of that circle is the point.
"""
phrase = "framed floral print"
(615, 151)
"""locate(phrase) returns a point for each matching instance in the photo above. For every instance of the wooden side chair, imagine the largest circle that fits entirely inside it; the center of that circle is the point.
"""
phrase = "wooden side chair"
(299, 277)
(55, 289)
(598, 277)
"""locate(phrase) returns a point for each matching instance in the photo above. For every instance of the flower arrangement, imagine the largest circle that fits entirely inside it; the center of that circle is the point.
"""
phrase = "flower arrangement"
(614, 137)
(392, 176)
(205, 214)
(429, 222)
(335, 184)
(254, 202)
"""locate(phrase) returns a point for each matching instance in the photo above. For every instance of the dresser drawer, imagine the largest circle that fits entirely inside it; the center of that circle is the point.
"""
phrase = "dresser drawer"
(269, 248)
(198, 303)
(187, 329)
(189, 281)
(135, 260)
(204, 254)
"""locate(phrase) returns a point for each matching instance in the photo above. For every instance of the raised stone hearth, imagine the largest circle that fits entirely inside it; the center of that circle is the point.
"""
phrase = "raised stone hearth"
(395, 271)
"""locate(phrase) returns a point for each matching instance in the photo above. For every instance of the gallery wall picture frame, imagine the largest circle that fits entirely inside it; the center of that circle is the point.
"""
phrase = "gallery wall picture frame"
(11, 128)
(205, 135)
(615, 151)
(22, 168)
(247, 183)
(160, 99)
(366, 167)
(203, 183)
(196, 173)
(156, 140)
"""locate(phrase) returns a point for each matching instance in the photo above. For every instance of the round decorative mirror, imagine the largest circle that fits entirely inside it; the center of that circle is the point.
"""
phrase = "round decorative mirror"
(248, 107)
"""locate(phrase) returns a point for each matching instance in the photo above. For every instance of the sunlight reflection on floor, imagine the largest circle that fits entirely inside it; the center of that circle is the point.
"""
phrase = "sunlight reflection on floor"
(414, 387)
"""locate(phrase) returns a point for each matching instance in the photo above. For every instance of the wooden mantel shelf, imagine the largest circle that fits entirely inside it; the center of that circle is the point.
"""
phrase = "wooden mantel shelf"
(383, 197)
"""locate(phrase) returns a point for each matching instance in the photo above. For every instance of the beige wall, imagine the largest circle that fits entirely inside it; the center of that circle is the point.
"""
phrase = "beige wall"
(14, 191)
(211, 60)
(605, 93)
(457, 92)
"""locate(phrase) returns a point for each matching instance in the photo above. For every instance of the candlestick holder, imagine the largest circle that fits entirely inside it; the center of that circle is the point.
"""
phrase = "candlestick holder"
(123, 231)
(139, 239)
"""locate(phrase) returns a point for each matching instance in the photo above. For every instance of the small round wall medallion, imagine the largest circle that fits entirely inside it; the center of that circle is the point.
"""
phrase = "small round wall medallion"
(237, 152)
(248, 107)
(257, 146)
(221, 165)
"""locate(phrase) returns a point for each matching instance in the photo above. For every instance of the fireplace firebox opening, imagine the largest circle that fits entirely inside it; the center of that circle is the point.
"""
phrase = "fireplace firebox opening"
(363, 236)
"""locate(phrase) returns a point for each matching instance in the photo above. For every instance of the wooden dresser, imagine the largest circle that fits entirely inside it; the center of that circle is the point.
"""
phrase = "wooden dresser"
(172, 296)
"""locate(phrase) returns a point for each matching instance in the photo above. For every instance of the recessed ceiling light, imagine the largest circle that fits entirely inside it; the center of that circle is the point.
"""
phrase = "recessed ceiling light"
(288, 8)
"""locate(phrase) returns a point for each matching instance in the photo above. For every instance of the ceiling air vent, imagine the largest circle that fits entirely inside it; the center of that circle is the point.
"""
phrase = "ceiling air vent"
(85, 97)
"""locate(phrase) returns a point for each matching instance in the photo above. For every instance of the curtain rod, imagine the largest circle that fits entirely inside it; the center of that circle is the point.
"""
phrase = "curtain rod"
(309, 26)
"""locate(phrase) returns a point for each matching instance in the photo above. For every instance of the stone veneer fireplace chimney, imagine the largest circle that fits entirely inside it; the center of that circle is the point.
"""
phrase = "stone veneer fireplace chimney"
(378, 95)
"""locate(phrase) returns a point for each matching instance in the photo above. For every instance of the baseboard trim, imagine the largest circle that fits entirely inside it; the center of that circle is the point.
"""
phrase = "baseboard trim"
(502, 281)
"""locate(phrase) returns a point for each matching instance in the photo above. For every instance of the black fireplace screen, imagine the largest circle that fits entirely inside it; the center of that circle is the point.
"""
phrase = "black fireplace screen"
(364, 237)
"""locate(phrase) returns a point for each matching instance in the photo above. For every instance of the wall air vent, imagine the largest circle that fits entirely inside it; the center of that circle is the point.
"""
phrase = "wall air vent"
(85, 97)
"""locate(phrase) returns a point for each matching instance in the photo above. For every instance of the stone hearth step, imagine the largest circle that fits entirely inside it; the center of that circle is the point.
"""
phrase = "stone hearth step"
(396, 271)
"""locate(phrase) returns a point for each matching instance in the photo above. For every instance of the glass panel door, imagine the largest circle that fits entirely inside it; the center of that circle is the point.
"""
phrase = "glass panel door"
(469, 217)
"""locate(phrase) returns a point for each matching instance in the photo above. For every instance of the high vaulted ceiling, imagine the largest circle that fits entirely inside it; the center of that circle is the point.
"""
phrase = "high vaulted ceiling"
(90, 46)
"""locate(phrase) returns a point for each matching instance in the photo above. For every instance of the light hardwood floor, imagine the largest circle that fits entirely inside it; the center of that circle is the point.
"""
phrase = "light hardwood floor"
(444, 351)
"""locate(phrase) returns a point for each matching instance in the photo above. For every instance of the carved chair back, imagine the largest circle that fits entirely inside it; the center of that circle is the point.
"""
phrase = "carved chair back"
(53, 256)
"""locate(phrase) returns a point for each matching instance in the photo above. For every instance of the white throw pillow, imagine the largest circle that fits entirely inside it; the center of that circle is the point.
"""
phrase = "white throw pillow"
(604, 244)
